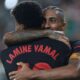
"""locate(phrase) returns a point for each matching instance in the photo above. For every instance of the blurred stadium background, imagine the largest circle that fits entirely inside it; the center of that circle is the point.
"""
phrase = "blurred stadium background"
(71, 9)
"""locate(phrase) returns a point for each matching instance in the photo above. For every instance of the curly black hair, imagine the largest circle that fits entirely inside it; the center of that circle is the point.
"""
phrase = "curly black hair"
(29, 14)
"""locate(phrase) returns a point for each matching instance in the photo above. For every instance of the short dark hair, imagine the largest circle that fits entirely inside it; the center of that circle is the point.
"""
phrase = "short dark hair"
(29, 14)
(58, 11)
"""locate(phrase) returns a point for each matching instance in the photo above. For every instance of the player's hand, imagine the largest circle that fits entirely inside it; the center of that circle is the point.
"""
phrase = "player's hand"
(23, 74)
(65, 40)
(59, 35)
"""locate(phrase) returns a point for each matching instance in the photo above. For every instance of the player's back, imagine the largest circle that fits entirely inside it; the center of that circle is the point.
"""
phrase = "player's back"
(39, 54)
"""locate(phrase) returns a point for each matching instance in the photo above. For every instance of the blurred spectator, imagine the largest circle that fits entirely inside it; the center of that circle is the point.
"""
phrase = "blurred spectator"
(72, 13)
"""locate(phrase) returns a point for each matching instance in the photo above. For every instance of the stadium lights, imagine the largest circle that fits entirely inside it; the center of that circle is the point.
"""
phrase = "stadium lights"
(10, 4)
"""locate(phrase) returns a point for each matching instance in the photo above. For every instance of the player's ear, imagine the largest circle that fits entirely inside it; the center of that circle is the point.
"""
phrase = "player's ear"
(64, 25)
(19, 27)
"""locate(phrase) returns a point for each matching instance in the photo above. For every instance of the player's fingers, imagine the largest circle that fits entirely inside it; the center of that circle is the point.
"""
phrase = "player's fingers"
(12, 73)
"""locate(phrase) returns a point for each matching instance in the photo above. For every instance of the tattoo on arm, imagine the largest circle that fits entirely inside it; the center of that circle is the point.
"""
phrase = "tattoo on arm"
(14, 37)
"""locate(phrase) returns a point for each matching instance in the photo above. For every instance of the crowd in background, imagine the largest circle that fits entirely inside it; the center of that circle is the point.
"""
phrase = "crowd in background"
(72, 14)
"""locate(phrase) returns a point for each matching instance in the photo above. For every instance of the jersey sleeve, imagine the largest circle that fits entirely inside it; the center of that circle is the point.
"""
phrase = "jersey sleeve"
(75, 46)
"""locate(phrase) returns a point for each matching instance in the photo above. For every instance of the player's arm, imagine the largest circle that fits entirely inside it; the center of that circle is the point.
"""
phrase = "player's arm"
(14, 37)
(70, 71)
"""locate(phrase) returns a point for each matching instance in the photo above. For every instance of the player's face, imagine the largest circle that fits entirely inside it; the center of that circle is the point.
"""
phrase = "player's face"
(52, 21)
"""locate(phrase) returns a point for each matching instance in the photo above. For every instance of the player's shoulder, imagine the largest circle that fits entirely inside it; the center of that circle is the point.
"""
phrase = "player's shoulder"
(75, 45)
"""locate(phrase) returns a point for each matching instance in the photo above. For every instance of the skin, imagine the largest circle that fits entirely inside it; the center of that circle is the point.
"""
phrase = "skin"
(52, 21)
(72, 70)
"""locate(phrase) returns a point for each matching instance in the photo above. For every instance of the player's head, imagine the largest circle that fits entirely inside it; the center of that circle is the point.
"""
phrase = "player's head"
(28, 14)
(54, 18)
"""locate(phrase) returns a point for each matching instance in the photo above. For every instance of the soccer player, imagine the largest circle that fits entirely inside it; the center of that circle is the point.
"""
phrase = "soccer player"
(70, 70)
